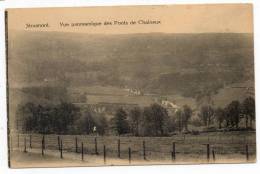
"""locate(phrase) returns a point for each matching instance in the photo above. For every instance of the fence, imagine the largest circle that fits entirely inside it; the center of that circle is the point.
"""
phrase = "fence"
(141, 148)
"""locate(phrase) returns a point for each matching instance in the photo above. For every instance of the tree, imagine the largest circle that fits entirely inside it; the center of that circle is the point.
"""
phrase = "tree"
(172, 124)
(57, 121)
(41, 120)
(101, 124)
(233, 113)
(86, 122)
(155, 120)
(67, 114)
(248, 108)
(25, 116)
(220, 116)
(148, 122)
(160, 116)
(179, 121)
(135, 119)
(206, 115)
(187, 113)
(120, 122)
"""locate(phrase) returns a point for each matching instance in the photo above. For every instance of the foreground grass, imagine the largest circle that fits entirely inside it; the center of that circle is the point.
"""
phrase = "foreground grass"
(229, 147)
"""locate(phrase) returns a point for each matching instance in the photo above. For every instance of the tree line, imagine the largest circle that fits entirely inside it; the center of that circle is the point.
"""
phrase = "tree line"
(64, 118)
(154, 120)
(231, 115)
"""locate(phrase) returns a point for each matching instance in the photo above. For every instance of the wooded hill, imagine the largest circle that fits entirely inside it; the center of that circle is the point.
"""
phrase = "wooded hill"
(185, 64)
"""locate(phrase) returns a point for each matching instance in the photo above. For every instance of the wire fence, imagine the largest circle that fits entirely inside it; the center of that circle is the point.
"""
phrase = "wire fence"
(141, 148)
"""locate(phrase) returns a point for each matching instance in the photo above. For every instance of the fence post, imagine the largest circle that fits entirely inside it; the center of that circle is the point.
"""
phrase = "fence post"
(118, 148)
(82, 151)
(43, 141)
(25, 150)
(173, 151)
(42, 147)
(18, 139)
(61, 146)
(76, 144)
(247, 154)
(59, 143)
(104, 154)
(11, 143)
(213, 155)
(208, 152)
(129, 155)
(144, 152)
(30, 141)
(96, 151)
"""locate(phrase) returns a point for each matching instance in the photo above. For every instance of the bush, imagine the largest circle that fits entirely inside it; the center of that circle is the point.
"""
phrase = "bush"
(194, 132)
(209, 129)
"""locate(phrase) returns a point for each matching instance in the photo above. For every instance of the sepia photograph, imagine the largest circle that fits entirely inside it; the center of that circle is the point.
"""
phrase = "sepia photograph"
(130, 85)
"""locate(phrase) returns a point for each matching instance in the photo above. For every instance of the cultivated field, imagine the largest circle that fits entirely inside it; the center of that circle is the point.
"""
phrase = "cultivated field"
(61, 150)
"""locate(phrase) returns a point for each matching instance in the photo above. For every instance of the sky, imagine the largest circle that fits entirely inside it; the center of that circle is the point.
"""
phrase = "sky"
(221, 18)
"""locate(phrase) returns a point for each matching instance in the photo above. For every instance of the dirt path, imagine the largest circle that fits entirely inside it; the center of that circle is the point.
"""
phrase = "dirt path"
(51, 158)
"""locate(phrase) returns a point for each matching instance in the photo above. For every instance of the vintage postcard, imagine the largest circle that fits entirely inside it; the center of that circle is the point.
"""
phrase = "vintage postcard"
(130, 85)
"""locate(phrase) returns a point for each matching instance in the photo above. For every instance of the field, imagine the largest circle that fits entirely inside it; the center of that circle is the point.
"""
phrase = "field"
(34, 150)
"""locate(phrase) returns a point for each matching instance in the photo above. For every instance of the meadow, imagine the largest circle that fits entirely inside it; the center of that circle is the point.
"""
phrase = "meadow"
(212, 147)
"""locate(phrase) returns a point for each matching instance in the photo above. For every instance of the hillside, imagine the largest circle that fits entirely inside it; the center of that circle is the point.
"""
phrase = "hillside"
(183, 64)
